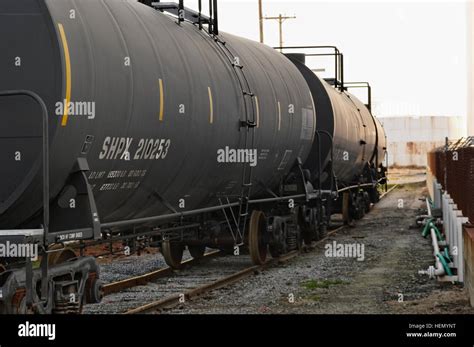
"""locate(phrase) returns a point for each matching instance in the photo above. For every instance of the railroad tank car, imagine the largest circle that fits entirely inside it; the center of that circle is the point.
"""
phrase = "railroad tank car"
(158, 128)
(358, 137)
(110, 55)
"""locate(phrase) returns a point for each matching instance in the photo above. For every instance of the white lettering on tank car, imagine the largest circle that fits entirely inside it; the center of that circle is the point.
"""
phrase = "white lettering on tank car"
(264, 153)
(137, 173)
(109, 187)
(117, 174)
(152, 149)
(96, 175)
(120, 148)
(70, 236)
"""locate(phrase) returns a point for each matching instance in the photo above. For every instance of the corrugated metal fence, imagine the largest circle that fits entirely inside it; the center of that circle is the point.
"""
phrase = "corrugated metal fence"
(453, 168)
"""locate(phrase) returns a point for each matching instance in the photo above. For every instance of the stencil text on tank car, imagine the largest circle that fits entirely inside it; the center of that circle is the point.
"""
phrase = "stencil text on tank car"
(124, 148)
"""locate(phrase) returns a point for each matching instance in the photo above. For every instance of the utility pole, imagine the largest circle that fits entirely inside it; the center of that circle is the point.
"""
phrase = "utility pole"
(470, 74)
(280, 20)
(260, 18)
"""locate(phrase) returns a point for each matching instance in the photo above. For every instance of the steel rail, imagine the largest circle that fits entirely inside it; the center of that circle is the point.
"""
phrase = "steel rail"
(119, 286)
(174, 300)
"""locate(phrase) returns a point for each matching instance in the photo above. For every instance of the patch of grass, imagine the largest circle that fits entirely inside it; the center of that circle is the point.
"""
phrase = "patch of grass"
(325, 284)
(314, 298)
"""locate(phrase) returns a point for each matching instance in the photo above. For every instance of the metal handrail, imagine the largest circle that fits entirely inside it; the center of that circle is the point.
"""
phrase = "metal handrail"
(318, 133)
(45, 140)
(45, 144)
(338, 61)
(367, 85)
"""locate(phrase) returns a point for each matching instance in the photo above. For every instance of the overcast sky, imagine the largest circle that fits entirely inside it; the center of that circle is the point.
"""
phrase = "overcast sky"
(413, 53)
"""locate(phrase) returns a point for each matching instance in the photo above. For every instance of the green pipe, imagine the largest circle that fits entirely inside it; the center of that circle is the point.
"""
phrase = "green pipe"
(447, 269)
(446, 255)
(428, 226)
(426, 229)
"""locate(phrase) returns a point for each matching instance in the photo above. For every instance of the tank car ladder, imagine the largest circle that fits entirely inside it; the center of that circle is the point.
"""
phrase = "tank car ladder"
(250, 126)
(184, 13)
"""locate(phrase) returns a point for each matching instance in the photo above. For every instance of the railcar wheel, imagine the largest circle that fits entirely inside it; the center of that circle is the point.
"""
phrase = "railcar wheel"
(21, 307)
(60, 256)
(173, 253)
(323, 231)
(366, 202)
(300, 241)
(323, 227)
(279, 238)
(346, 208)
(374, 195)
(257, 244)
(94, 291)
(308, 225)
(359, 204)
(197, 252)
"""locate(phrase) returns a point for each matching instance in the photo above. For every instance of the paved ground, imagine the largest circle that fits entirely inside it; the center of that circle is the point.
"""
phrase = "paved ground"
(406, 175)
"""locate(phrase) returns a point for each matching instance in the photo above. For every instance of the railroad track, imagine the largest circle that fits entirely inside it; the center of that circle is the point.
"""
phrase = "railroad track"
(190, 292)
(119, 286)
(116, 287)
(389, 191)
(184, 296)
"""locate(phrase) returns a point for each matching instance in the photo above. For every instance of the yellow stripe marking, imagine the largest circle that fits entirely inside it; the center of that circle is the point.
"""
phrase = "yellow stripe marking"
(162, 100)
(314, 116)
(211, 106)
(279, 116)
(258, 111)
(67, 59)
